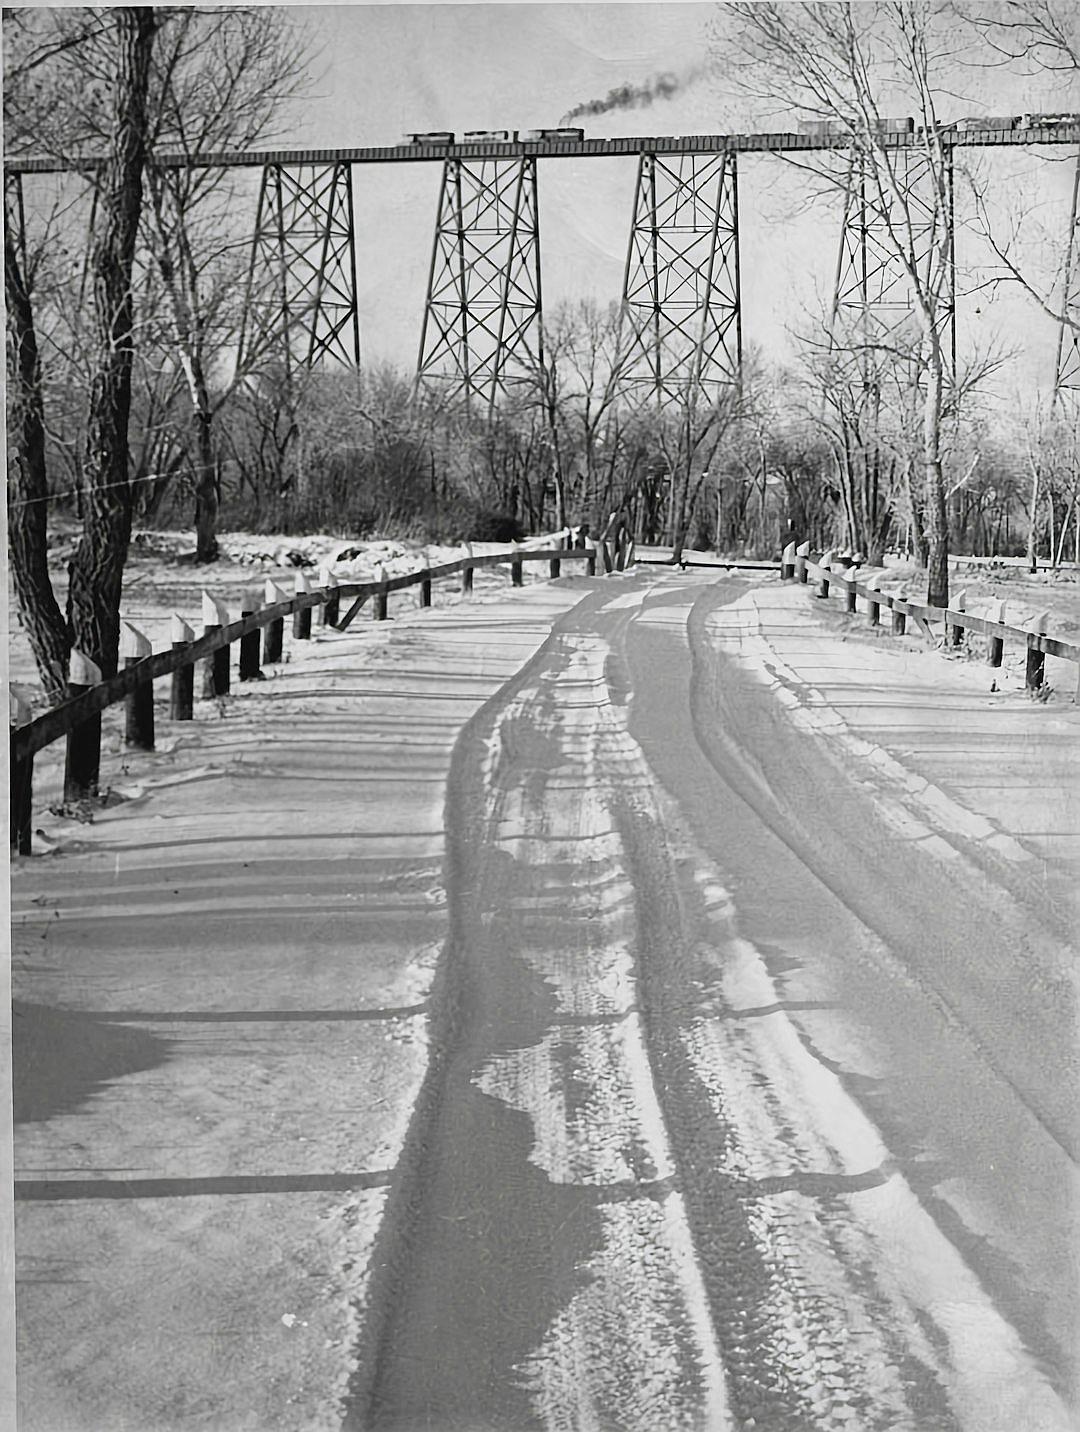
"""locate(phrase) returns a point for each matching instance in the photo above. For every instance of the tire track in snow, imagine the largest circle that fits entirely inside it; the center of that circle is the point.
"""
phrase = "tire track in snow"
(537, 1270)
(866, 1316)
(629, 1164)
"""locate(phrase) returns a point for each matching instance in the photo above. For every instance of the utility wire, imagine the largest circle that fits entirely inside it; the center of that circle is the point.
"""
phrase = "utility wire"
(85, 491)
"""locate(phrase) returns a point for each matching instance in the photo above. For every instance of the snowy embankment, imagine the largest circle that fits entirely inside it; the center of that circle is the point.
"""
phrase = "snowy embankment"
(711, 1065)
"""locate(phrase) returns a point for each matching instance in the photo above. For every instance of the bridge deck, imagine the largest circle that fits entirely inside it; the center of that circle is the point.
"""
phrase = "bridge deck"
(551, 149)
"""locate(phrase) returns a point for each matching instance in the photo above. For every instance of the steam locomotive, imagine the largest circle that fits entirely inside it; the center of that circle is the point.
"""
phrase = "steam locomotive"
(495, 136)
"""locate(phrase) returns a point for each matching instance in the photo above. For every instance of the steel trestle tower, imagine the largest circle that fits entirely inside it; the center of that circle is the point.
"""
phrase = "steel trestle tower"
(301, 293)
(482, 319)
(872, 307)
(682, 316)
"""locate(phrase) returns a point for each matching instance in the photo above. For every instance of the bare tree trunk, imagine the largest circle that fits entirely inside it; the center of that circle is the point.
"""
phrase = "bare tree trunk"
(937, 513)
(206, 482)
(679, 515)
(28, 493)
(97, 567)
(179, 279)
(1033, 519)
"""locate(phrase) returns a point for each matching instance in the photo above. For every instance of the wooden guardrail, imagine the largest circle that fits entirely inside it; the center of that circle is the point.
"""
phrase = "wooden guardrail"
(800, 565)
(79, 718)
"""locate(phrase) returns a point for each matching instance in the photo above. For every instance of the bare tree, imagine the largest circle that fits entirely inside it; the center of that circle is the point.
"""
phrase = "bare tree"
(218, 80)
(28, 487)
(841, 63)
(689, 435)
(1041, 39)
(97, 565)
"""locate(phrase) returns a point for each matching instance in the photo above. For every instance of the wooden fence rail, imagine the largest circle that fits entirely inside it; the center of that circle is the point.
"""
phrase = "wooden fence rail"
(79, 718)
(1037, 643)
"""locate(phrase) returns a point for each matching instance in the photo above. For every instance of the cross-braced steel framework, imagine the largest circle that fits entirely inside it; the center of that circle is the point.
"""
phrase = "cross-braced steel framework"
(482, 320)
(15, 216)
(301, 297)
(682, 319)
(873, 311)
(1067, 361)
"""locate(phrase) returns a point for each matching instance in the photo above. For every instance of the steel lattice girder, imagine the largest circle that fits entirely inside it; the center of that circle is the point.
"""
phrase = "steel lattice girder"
(1067, 362)
(872, 296)
(682, 315)
(301, 295)
(482, 319)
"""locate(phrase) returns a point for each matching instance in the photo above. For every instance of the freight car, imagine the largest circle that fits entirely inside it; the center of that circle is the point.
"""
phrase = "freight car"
(974, 122)
(497, 136)
(838, 129)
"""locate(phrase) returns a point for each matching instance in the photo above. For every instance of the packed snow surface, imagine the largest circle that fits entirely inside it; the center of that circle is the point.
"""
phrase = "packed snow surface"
(630, 1004)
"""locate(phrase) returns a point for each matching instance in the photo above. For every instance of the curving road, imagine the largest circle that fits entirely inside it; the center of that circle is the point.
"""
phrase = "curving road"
(752, 1092)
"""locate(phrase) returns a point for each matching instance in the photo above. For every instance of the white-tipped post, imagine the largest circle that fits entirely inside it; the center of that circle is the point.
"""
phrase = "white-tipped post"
(216, 666)
(139, 703)
(332, 606)
(379, 600)
(180, 630)
(19, 709)
(996, 651)
(954, 631)
(1036, 657)
(82, 760)
(81, 670)
(301, 622)
(134, 644)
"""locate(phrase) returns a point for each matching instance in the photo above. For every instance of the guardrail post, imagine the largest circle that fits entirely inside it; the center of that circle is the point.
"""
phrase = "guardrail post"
(82, 759)
(516, 577)
(954, 631)
(873, 606)
(215, 680)
(849, 587)
(997, 643)
(301, 618)
(332, 605)
(899, 614)
(138, 704)
(787, 562)
(1036, 657)
(554, 567)
(273, 631)
(802, 552)
(182, 690)
(249, 642)
(826, 566)
(467, 571)
(425, 588)
(21, 773)
(590, 557)
(378, 600)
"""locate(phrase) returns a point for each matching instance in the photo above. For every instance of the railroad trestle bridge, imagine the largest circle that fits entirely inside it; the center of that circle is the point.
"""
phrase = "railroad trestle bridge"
(681, 295)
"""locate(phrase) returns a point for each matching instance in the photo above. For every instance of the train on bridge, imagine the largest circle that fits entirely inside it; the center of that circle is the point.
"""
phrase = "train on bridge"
(496, 136)
(809, 128)
(834, 128)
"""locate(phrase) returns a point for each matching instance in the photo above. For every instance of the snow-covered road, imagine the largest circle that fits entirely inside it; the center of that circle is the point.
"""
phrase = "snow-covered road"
(666, 992)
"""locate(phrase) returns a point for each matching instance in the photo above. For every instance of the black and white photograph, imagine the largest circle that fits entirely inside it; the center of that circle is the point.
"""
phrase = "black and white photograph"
(543, 664)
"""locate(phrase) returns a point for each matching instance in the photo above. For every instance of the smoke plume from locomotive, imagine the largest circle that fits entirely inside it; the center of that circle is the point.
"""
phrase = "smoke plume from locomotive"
(662, 86)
